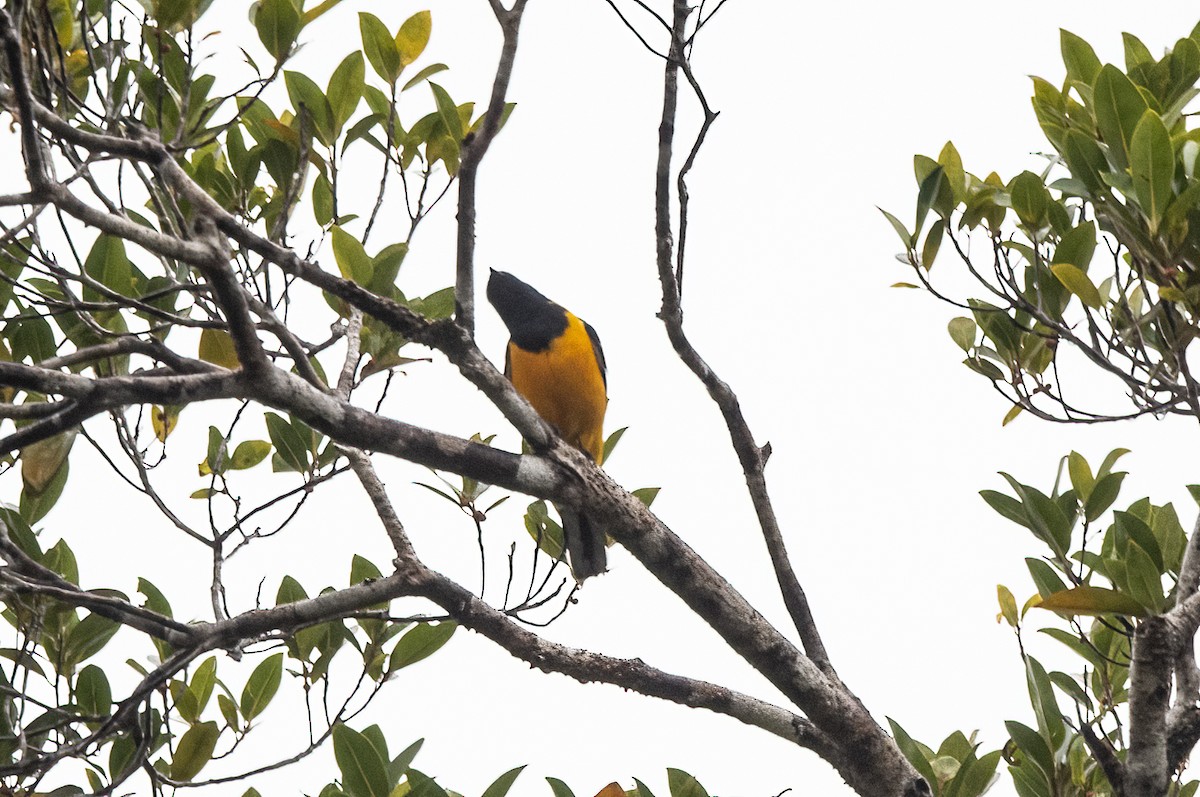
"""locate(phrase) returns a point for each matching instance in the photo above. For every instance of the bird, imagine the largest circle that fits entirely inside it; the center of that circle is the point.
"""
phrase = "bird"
(554, 359)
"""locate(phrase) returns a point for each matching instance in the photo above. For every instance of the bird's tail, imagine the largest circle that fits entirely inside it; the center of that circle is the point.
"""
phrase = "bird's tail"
(585, 544)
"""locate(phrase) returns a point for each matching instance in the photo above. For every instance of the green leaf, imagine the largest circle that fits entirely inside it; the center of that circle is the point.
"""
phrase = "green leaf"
(31, 338)
(423, 785)
(262, 686)
(448, 112)
(1152, 163)
(956, 178)
(933, 242)
(1007, 506)
(352, 259)
(912, 751)
(977, 778)
(363, 569)
(108, 264)
(931, 187)
(193, 701)
(906, 237)
(1118, 106)
(963, 332)
(92, 692)
(229, 711)
(999, 328)
(413, 36)
(345, 89)
(380, 47)
(1136, 53)
(385, 266)
(422, 641)
(290, 591)
(1044, 577)
(1145, 580)
(359, 761)
(194, 750)
(87, 639)
(307, 96)
(248, 454)
(439, 304)
(1107, 465)
(502, 784)
(290, 447)
(1081, 475)
(322, 200)
(1092, 601)
(1104, 493)
(400, 764)
(1077, 246)
(1137, 530)
(610, 445)
(216, 347)
(424, 74)
(1044, 517)
(1029, 199)
(559, 788)
(120, 756)
(1073, 278)
(640, 790)
(646, 494)
(1033, 745)
(155, 600)
(278, 23)
(681, 784)
(1071, 688)
(1045, 705)
(1086, 160)
(1079, 58)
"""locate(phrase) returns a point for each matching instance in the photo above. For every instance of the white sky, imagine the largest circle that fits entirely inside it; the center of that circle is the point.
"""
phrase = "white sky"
(882, 438)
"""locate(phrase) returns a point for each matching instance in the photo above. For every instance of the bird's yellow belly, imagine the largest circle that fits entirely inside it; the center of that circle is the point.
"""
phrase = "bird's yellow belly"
(565, 386)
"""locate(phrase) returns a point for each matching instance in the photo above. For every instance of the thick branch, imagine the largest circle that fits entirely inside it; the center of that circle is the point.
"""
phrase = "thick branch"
(1147, 772)
(633, 674)
(92, 396)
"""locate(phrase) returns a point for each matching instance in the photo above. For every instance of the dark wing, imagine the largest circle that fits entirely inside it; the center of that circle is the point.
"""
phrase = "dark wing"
(508, 361)
(598, 350)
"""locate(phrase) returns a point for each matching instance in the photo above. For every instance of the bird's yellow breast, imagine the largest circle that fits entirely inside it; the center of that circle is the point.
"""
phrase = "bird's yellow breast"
(565, 386)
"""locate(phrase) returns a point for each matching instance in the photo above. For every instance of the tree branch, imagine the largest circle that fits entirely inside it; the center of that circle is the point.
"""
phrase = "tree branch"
(633, 674)
(474, 147)
(752, 458)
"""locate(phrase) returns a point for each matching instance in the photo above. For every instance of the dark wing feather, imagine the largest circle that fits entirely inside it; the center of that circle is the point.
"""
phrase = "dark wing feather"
(598, 350)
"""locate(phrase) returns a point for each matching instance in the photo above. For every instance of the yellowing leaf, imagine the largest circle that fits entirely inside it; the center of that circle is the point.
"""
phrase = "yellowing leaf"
(164, 420)
(249, 453)
(41, 460)
(1012, 414)
(1073, 278)
(1008, 605)
(216, 347)
(611, 790)
(413, 36)
(1093, 601)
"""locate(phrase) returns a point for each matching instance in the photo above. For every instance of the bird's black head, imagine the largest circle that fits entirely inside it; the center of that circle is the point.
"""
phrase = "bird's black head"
(531, 318)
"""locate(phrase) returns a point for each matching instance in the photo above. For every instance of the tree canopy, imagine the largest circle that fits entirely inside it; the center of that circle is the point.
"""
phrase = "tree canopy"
(208, 303)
